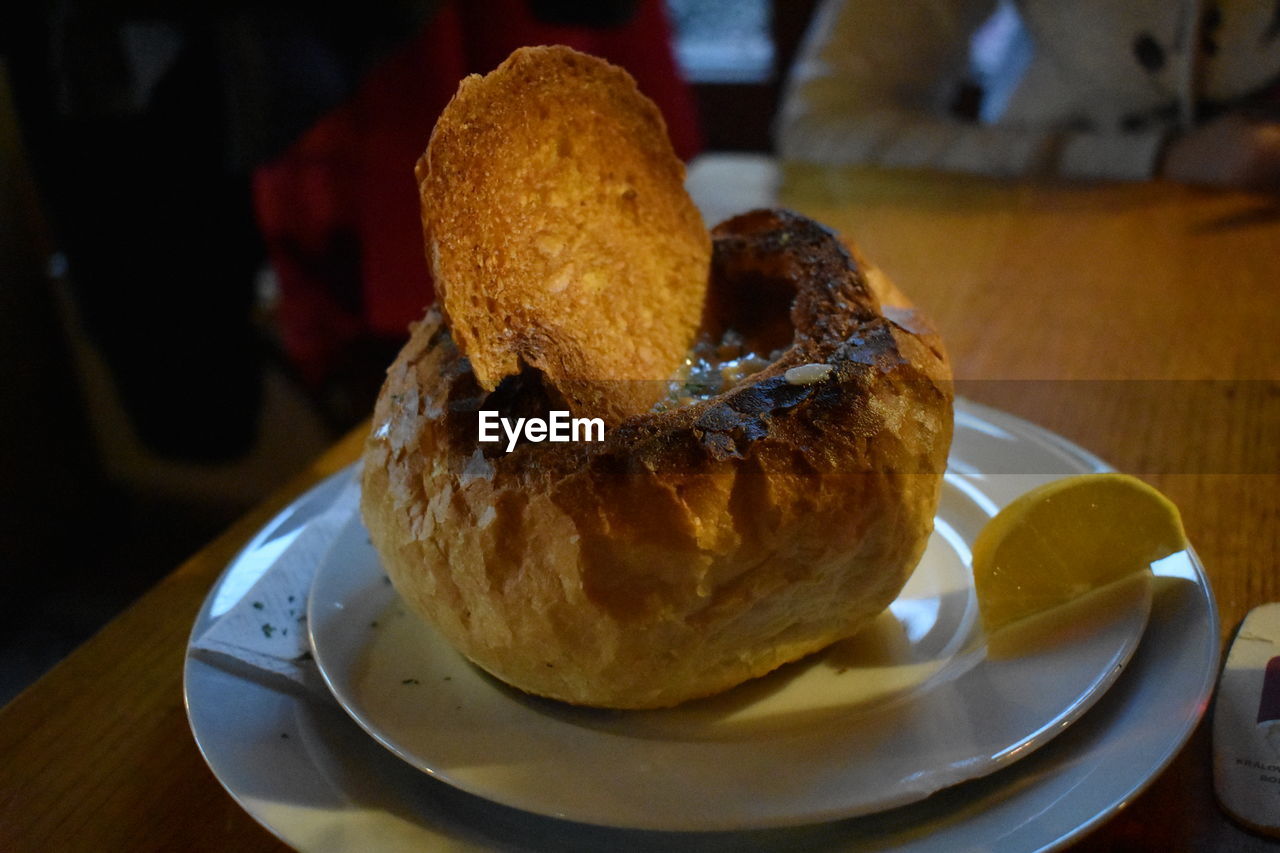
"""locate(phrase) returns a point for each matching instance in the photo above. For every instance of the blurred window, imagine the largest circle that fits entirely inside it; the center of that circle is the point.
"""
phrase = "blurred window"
(723, 41)
(736, 53)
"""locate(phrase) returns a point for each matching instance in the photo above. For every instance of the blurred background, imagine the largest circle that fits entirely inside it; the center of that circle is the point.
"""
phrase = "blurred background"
(210, 249)
(210, 246)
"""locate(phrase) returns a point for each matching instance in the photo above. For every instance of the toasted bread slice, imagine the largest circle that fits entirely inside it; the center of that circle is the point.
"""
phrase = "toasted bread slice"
(559, 231)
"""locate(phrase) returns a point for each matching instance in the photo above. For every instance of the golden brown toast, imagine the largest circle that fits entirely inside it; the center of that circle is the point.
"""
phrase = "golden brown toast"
(559, 232)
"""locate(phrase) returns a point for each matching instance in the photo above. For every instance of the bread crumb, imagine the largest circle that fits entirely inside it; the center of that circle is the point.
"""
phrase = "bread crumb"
(807, 374)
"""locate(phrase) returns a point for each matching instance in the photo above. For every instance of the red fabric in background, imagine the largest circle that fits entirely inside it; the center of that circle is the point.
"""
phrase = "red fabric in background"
(339, 209)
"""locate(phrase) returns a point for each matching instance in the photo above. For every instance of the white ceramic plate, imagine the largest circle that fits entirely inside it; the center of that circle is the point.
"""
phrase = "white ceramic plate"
(912, 705)
(326, 784)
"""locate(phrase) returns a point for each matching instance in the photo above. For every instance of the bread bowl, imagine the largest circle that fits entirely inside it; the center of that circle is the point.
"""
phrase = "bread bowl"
(702, 543)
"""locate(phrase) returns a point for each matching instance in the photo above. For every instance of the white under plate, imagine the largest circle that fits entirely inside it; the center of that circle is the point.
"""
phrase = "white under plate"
(910, 706)
(835, 736)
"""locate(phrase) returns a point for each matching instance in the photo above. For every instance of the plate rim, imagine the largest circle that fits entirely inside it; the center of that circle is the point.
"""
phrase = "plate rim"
(323, 609)
(1176, 735)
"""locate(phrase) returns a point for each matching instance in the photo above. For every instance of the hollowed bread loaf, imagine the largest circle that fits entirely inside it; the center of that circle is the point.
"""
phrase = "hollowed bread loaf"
(695, 547)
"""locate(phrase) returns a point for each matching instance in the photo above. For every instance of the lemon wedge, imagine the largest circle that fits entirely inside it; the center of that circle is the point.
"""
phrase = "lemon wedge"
(1066, 539)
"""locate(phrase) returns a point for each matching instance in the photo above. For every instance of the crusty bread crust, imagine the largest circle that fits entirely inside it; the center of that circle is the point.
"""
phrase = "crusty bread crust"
(694, 548)
(559, 232)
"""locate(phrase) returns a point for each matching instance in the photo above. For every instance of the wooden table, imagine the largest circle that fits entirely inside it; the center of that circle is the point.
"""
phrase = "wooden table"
(1140, 321)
